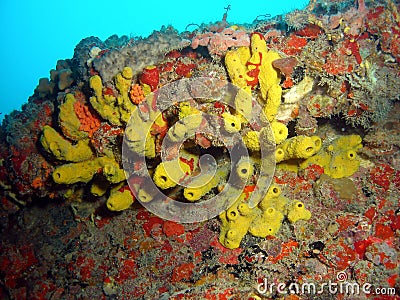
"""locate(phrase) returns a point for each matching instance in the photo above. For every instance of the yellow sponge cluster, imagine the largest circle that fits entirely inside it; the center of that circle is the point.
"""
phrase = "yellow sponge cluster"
(297, 211)
(268, 77)
(339, 159)
(249, 66)
(261, 221)
(120, 198)
(72, 144)
(84, 171)
(82, 164)
(134, 137)
(298, 147)
(190, 119)
(280, 131)
(68, 121)
(252, 141)
(236, 222)
(232, 123)
(62, 149)
(117, 110)
(203, 184)
(170, 173)
(235, 61)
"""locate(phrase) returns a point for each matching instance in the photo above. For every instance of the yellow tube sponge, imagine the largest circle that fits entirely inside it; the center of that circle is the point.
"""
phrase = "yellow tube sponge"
(251, 140)
(62, 149)
(169, 173)
(339, 159)
(99, 187)
(297, 211)
(144, 192)
(298, 147)
(195, 193)
(235, 224)
(97, 85)
(273, 191)
(243, 105)
(244, 169)
(134, 137)
(274, 199)
(76, 172)
(232, 123)
(163, 179)
(343, 164)
(259, 51)
(273, 102)
(204, 184)
(280, 131)
(117, 110)
(123, 81)
(185, 109)
(268, 223)
(84, 171)
(144, 196)
(112, 171)
(279, 155)
(235, 62)
(185, 127)
(120, 199)
(268, 76)
(69, 122)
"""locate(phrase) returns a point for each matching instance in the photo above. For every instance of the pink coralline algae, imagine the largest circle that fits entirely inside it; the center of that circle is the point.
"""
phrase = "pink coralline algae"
(219, 42)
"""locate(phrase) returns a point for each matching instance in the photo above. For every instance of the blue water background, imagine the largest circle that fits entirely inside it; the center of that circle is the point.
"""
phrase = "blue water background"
(35, 34)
